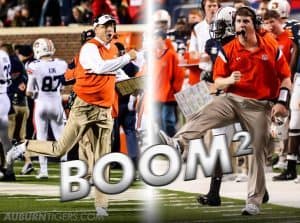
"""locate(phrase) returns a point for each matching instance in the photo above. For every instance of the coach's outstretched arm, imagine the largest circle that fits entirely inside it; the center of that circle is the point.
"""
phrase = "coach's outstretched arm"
(94, 63)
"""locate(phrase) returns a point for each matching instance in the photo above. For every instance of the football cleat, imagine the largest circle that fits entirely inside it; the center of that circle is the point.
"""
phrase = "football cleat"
(209, 200)
(6, 176)
(27, 169)
(285, 175)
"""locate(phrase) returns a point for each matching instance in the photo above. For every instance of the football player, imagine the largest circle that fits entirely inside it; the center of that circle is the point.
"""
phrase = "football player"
(45, 82)
(5, 174)
(283, 8)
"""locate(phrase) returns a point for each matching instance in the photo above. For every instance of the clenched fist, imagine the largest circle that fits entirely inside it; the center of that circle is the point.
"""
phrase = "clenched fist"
(235, 77)
(132, 54)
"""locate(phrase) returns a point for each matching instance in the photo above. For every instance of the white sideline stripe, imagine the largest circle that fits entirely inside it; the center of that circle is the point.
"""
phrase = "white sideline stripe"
(205, 206)
(37, 167)
(78, 211)
(229, 206)
(190, 208)
(58, 169)
(224, 210)
(125, 209)
(179, 198)
(166, 195)
(58, 199)
(174, 205)
(178, 202)
(20, 197)
(33, 175)
(259, 218)
(82, 211)
(184, 201)
(113, 203)
(58, 176)
(241, 219)
(114, 178)
(227, 202)
(125, 203)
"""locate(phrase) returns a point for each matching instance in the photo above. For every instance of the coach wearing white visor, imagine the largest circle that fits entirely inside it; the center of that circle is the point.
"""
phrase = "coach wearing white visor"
(90, 115)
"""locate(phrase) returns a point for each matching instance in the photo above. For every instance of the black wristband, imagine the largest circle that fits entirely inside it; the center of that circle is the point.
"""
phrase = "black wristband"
(284, 97)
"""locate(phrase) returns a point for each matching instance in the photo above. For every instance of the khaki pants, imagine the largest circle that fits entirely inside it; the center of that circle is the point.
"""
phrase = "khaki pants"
(21, 114)
(254, 115)
(86, 123)
(86, 153)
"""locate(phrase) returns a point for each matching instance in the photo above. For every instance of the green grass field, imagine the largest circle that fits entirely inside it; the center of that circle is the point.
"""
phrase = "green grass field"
(170, 206)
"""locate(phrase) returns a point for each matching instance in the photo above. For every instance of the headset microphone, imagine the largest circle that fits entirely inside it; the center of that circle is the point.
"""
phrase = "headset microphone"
(242, 32)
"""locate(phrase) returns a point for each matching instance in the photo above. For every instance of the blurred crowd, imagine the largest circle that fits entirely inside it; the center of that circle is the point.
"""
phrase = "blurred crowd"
(26, 13)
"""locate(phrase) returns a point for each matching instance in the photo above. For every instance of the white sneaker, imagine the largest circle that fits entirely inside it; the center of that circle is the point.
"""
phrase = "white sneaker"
(15, 152)
(241, 178)
(250, 209)
(297, 180)
(167, 140)
(282, 165)
(101, 212)
(1, 175)
(42, 176)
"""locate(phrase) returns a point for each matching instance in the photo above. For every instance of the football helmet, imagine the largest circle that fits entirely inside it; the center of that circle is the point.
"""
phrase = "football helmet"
(162, 15)
(43, 47)
(223, 26)
(282, 6)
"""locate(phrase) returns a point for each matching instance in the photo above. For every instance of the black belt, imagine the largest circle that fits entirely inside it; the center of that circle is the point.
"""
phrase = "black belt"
(3, 81)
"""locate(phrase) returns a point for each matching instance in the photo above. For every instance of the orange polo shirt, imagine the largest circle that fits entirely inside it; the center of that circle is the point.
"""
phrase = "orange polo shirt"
(168, 77)
(261, 70)
(97, 89)
(285, 43)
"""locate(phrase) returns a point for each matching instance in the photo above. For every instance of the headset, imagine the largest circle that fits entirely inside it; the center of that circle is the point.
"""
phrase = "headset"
(87, 35)
(257, 20)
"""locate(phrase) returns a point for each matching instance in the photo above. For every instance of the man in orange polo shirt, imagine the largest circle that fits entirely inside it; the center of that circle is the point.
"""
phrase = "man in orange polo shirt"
(168, 79)
(254, 73)
(284, 37)
(94, 87)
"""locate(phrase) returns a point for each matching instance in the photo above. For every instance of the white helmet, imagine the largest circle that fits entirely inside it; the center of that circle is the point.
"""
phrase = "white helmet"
(222, 25)
(43, 47)
(162, 15)
(281, 6)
